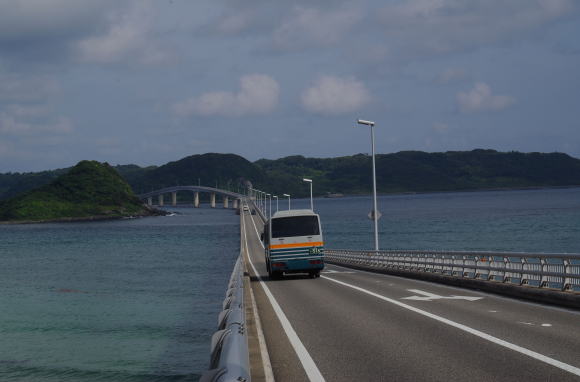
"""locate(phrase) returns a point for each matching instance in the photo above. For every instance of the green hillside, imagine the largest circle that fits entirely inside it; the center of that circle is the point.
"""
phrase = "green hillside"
(222, 170)
(88, 190)
(416, 171)
(405, 171)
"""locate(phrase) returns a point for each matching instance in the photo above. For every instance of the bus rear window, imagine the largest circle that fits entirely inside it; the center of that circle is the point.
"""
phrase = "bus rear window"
(295, 226)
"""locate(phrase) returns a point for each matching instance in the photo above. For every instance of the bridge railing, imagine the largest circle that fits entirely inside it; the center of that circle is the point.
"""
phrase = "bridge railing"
(555, 271)
(229, 360)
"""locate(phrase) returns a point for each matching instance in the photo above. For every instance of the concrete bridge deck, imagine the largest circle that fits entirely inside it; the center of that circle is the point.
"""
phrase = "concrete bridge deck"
(351, 325)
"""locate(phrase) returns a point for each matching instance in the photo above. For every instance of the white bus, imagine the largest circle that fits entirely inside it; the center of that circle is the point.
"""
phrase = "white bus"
(293, 243)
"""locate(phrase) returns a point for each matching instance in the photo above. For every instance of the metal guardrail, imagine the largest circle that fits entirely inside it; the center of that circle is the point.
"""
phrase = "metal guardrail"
(555, 271)
(229, 359)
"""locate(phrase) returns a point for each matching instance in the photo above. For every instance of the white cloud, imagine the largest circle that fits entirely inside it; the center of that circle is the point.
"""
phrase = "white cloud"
(258, 94)
(310, 27)
(25, 20)
(11, 124)
(236, 22)
(334, 95)
(423, 27)
(26, 88)
(480, 98)
(440, 127)
(451, 75)
(128, 36)
(25, 106)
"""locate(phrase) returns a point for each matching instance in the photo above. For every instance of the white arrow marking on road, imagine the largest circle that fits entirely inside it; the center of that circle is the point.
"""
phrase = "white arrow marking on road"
(426, 296)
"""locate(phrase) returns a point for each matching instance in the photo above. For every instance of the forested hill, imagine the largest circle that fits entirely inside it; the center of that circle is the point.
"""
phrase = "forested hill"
(406, 171)
(89, 190)
(416, 171)
(212, 170)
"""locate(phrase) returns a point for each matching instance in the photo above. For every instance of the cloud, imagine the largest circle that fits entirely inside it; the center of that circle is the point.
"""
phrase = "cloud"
(36, 32)
(26, 88)
(25, 106)
(258, 94)
(307, 26)
(440, 127)
(128, 36)
(451, 75)
(480, 98)
(15, 125)
(334, 95)
(234, 23)
(426, 27)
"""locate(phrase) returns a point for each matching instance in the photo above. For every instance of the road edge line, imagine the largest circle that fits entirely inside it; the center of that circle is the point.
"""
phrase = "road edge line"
(306, 360)
(265, 355)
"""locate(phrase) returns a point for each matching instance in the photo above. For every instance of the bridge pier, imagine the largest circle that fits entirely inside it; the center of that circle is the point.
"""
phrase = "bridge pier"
(212, 200)
(235, 206)
(160, 200)
(174, 198)
(196, 199)
(226, 202)
(150, 201)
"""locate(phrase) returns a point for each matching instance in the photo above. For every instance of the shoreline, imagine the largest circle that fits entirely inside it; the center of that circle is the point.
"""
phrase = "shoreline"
(529, 188)
(87, 219)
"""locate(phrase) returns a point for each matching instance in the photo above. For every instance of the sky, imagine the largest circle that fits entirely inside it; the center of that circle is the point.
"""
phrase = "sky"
(152, 81)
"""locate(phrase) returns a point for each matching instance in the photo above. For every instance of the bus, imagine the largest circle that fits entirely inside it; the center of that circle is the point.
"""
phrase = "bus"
(293, 243)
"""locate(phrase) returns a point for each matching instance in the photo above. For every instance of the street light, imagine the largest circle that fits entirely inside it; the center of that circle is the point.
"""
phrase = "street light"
(375, 212)
(270, 214)
(288, 200)
(311, 203)
(276, 196)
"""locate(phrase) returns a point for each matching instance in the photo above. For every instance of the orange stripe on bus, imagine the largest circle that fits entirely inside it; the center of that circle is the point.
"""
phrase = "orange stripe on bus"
(296, 245)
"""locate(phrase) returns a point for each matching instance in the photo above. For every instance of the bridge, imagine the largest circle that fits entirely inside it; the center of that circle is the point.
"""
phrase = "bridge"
(355, 325)
(196, 190)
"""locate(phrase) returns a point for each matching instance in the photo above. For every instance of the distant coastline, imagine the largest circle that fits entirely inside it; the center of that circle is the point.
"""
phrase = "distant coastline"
(449, 191)
(87, 219)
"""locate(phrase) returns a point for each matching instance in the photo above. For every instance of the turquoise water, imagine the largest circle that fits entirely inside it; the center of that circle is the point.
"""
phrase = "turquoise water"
(137, 300)
(131, 300)
(528, 220)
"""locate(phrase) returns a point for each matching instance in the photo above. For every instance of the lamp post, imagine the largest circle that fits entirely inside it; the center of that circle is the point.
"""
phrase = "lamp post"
(311, 203)
(288, 200)
(276, 197)
(270, 197)
(375, 212)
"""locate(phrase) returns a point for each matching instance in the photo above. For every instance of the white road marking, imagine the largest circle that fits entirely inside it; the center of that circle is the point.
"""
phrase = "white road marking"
(546, 325)
(530, 353)
(307, 362)
(257, 233)
(430, 296)
(333, 271)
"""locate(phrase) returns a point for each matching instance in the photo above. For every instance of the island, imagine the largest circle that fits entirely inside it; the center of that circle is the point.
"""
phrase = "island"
(88, 191)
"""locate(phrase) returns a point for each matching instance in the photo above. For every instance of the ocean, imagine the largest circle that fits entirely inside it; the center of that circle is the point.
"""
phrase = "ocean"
(138, 299)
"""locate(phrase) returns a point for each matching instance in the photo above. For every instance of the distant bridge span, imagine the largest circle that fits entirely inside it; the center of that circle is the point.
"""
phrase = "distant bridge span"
(225, 194)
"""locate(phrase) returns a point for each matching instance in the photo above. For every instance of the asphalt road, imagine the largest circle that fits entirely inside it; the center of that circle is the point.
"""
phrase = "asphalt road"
(353, 325)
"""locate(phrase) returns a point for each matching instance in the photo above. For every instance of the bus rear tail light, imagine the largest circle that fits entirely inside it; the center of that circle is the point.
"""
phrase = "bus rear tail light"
(278, 265)
(315, 261)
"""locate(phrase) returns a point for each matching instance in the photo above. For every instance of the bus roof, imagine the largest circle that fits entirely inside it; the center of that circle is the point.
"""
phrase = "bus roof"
(288, 213)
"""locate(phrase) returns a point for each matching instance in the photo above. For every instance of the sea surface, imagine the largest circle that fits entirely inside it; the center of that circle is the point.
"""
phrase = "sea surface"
(137, 300)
